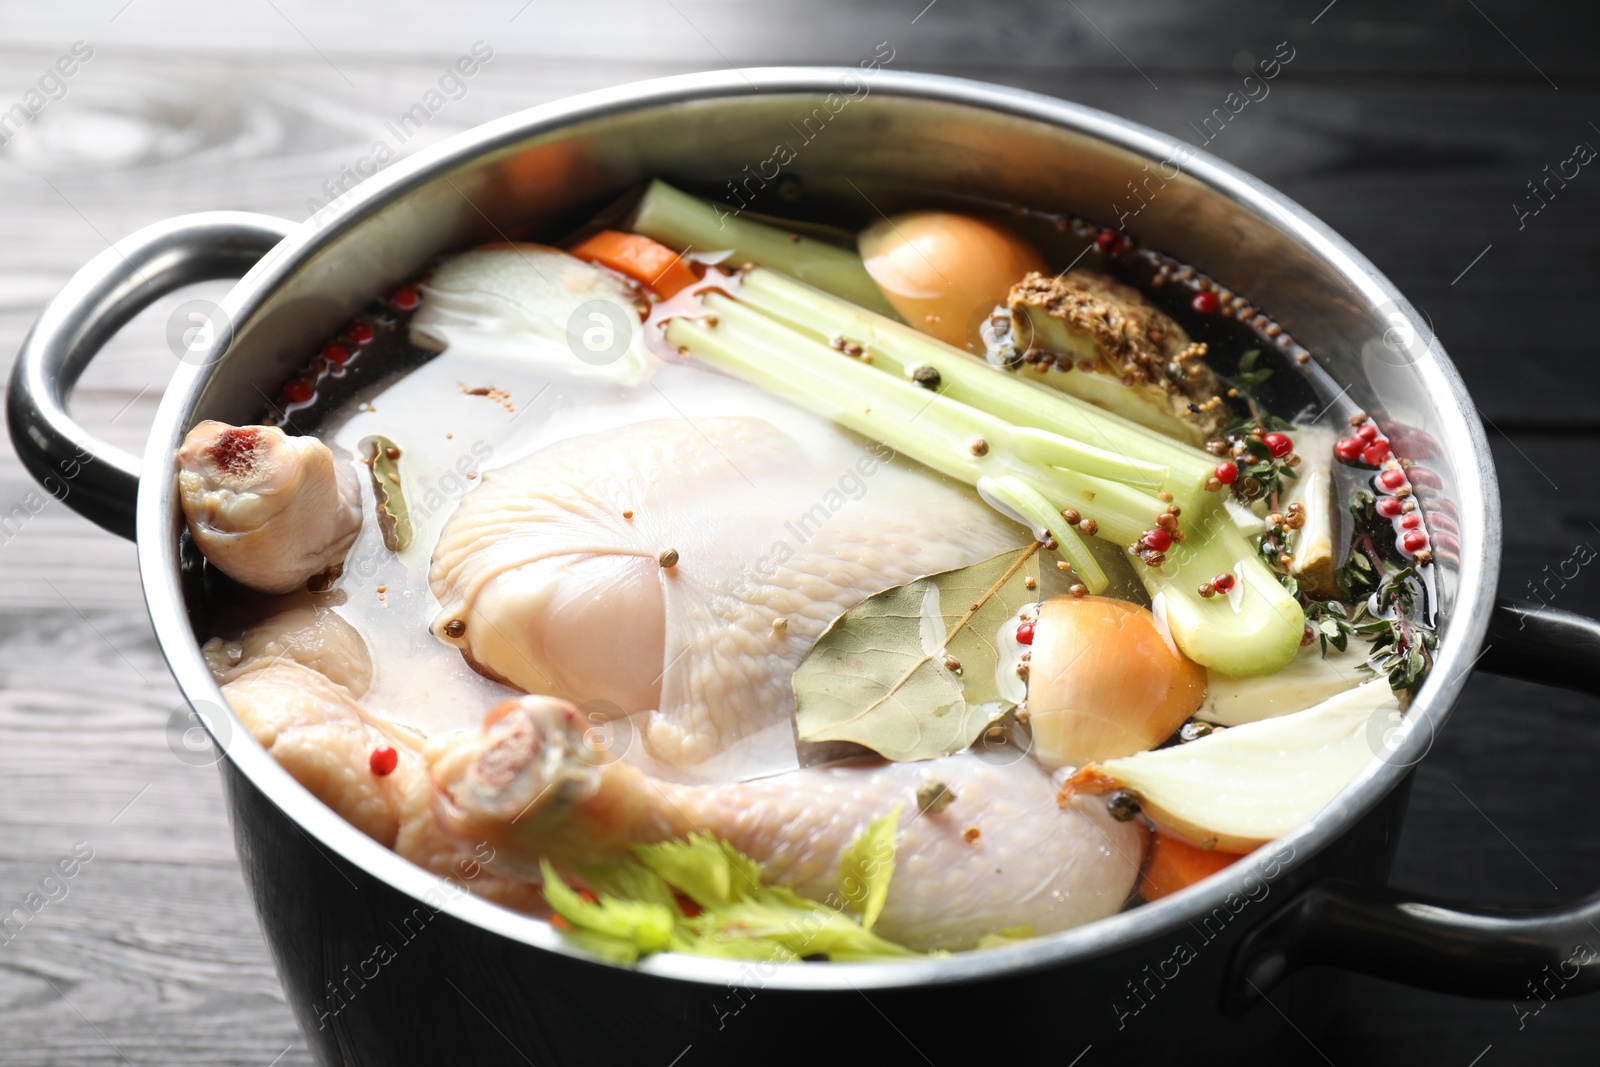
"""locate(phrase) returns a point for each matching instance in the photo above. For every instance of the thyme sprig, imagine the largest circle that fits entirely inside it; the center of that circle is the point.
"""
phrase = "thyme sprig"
(1390, 597)
(1330, 624)
(1260, 475)
(1402, 647)
(1384, 599)
(1248, 379)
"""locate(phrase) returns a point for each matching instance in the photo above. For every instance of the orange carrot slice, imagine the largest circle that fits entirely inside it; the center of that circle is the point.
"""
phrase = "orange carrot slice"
(1174, 864)
(650, 263)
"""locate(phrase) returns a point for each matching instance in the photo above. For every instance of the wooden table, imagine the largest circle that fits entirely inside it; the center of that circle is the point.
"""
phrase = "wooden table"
(1413, 134)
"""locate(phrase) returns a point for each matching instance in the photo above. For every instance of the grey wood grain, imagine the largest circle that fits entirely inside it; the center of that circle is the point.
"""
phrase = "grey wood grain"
(1409, 131)
(1493, 38)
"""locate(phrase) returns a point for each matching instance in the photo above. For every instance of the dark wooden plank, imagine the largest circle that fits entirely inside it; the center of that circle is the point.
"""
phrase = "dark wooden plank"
(1438, 36)
(1421, 178)
(1503, 810)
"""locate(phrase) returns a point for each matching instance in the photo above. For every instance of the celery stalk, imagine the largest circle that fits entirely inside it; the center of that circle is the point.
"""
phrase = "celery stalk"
(933, 430)
(952, 426)
(1256, 629)
(882, 419)
(1017, 495)
(1025, 442)
(690, 224)
(1024, 469)
(927, 427)
(899, 349)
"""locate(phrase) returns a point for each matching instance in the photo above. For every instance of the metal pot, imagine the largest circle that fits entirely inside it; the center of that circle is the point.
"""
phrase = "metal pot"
(384, 963)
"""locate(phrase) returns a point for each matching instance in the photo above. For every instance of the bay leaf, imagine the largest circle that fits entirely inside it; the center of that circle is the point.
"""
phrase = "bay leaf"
(394, 519)
(912, 672)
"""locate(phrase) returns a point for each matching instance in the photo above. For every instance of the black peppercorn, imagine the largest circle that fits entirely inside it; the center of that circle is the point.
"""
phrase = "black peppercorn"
(1122, 805)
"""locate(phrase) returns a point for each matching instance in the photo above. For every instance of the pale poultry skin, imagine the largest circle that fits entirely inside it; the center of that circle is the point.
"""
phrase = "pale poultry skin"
(537, 781)
(684, 569)
(269, 510)
(534, 782)
(678, 569)
(293, 680)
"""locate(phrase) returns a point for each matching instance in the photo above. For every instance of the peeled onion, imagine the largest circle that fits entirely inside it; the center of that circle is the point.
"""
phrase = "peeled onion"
(1104, 682)
(1237, 788)
(1310, 678)
(944, 272)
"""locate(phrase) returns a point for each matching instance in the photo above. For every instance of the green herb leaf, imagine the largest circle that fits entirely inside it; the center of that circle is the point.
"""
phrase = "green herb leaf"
(630, 880)
(643, 924)
(394, 519)
(1007, 935)
(912, 672)
(637, 910)
(1331, 624)
(1250, 381)
(611, 949)
(866, 866)
(706, 869)
(798, 926)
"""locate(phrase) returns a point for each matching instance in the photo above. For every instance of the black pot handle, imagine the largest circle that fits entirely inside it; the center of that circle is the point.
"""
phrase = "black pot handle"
(98, 480)
(1435, 944)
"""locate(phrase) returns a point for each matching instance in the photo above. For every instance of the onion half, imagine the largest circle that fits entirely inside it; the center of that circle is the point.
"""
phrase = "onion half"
(1104, 682)
(945, 272)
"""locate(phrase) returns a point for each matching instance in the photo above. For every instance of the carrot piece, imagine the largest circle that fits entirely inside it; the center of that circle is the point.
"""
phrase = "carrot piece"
(1174, 863)
(650, 263)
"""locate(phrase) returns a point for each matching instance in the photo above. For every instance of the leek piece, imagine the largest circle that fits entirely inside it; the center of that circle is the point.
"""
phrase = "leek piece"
(690, 224)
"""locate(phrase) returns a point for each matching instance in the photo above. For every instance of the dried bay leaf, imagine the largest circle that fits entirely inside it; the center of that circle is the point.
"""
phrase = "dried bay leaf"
(911, 672)
(394, 520)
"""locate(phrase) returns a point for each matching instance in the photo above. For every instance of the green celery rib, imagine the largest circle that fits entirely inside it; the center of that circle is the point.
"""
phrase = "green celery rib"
(1017, 495)
(690, 224)
(899, 349)
(885, 419)
(934, 430)
(1028, 443)
(1255, 631)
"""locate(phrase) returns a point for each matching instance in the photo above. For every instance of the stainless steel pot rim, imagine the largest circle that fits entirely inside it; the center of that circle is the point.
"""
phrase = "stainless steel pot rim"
(1459, 432)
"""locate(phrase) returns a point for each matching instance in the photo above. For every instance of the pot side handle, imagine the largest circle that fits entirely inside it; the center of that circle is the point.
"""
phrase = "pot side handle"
(1435, 944)
(98, 480)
